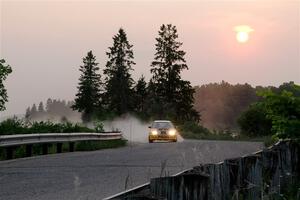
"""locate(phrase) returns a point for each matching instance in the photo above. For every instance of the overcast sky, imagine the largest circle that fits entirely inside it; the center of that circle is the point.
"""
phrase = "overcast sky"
(44, 42)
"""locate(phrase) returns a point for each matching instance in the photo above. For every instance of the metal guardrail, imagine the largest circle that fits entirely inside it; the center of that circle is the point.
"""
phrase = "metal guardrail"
(21, 139)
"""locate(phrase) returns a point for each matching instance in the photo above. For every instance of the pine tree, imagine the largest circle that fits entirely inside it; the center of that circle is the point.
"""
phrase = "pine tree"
(88, 98)
(4, 71)
(28, 113)
(140, 95)
(119, 91)
(169, 90)
(33, 111)
(48, 105)
(41, 107)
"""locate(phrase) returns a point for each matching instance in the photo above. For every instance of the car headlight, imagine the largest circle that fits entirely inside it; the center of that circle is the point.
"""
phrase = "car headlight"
(172, 132)
(154, 132)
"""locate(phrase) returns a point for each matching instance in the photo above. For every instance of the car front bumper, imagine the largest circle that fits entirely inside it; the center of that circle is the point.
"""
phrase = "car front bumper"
(162, 137)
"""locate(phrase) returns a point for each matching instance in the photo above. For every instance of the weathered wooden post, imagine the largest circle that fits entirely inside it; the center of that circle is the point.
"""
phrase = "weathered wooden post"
(71, 146)
(58, 147)
(28, 150)
(45, 149)
(9, 152)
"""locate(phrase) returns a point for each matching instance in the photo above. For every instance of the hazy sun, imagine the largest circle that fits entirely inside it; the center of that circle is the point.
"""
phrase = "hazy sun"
(242, 33)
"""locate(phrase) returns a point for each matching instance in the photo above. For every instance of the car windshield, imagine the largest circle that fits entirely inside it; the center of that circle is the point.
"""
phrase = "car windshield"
(160, 125)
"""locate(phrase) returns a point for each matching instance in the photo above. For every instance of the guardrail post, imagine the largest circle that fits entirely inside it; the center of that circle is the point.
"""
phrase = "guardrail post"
(71, 146)
(28, 150)
(58, 147)
(45, 149)
(9, 152)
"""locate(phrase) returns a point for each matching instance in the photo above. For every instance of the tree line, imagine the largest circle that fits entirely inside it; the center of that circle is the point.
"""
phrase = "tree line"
(54, 109)
(224, 106)
(276, 113)
(166, 95)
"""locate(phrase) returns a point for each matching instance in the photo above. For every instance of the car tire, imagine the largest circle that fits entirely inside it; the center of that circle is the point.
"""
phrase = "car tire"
(175, 140)
(150, 141)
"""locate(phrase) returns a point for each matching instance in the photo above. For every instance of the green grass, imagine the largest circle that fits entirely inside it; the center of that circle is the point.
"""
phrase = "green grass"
(37, 149)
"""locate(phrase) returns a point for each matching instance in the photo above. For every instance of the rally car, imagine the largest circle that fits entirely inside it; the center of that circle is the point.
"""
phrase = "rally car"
(162, 130)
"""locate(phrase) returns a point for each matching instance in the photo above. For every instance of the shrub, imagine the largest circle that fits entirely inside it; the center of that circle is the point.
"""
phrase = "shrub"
(17, 126)
(254, 121)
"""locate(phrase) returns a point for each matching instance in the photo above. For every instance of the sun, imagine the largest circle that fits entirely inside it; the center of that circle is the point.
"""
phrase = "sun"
(242, 36)
(242, 33)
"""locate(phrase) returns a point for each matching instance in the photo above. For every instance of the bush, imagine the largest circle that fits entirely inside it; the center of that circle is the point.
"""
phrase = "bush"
(254, 122)
(13, 126)
(193, 130)
(17, 126)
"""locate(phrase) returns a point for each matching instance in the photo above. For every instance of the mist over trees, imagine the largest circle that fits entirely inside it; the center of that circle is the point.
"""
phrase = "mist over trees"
(221, 104)
(54, 110)
(5, 70)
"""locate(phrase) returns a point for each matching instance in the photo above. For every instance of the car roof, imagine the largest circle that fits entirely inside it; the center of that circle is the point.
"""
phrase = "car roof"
(162, 121)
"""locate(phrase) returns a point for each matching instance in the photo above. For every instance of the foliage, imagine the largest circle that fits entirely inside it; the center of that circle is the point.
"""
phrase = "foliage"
(98, 126)
(118, 81)
(283, 109)
(17, 126)
(5, 70)
(13, 126)
(254, 122)
(141, 94)
(220, 104)
(170, 96)
(88, 98)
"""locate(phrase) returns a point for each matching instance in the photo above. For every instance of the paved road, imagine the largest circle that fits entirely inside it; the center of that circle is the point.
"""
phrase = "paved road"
(98, 174)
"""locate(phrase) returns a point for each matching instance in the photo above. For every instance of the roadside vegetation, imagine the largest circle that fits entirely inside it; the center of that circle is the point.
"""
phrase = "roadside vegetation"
(18, 126)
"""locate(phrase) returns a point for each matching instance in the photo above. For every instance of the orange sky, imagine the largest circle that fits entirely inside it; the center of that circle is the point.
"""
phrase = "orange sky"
(44, 41)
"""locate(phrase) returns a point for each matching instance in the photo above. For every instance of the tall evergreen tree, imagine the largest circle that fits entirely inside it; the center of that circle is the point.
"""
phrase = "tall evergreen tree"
(48, 104)
(140, 95)
(4, 71)
(41, 107)
(119, 91)
(33, 111)
(88, 98)
(169, 90)
(28, 113)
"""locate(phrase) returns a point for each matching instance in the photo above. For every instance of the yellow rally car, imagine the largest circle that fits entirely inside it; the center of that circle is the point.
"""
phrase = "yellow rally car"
(162, 130)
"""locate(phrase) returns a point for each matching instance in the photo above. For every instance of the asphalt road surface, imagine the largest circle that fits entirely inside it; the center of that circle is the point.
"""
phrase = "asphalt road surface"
(98, 174)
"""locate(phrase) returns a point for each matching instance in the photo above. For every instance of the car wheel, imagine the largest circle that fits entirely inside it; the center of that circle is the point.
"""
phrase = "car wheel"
(175, 140)
(150, 141)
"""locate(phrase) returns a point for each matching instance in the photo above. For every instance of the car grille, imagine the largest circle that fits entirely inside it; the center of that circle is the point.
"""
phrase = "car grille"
(163, 132)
